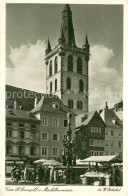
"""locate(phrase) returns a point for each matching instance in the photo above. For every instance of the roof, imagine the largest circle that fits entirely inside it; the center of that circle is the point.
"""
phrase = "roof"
(46, 105)
(24, 97)
(20, 115)
(111, 158)
(109, 115)
(88, 117)
(119, 105)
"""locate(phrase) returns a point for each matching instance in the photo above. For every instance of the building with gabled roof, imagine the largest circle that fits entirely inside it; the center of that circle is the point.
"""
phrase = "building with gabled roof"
(22, 138)
(19, 98)
(90, 135)
(118, 109)
(113, 132)
(53, 128)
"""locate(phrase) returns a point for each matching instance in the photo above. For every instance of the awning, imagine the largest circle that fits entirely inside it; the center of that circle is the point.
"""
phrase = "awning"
(40, 161)
(111, 158)
(52, 163)
(16, 158)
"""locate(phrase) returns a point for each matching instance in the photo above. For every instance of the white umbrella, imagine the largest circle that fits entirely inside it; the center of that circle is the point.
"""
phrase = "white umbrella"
(40, 161)
(52, 163)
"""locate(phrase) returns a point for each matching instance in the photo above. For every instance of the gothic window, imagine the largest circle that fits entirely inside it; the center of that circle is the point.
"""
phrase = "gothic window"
(56, 65)
(50, 68)
(79, 65)
(50, 87)
(79, 105)
(8, 149)
(33, 150)
(70, 104)
(21, 150)
(81, 86)
(68, 83)
(55, 84)
(70, 63)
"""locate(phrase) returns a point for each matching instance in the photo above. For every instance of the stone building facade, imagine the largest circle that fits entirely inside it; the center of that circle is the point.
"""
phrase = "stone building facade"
(22, 138)
(53, 129)
(113, 132)
(67, 67)
(90, 135)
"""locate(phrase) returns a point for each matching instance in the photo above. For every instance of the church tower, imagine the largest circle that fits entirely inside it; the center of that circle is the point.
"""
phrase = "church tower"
(67, 67)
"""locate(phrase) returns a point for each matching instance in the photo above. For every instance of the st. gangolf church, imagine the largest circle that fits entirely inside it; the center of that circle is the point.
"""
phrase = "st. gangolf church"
(67, 67)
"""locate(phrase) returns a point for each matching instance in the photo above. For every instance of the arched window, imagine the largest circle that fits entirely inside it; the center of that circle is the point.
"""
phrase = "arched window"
(79, 65)
(50, 87)
(70, 63)
(81, 86)
(68, 83)
(70, 104)
(55, 65)
(55, 84)
(50, 68)
(79, 105)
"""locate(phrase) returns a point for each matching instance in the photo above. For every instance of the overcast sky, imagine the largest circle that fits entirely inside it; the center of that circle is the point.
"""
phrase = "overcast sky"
(28, 27)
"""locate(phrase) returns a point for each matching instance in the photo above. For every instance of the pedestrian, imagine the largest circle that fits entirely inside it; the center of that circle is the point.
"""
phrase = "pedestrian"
(72, 176)
(29, 174)
(64, 176)
(52, 174)
(67, 175)
(47, 175)
(40, 174)
(33, 175)
(117, 177)
(17, 174)
(22, 173)
(12, 172)
(26, 173)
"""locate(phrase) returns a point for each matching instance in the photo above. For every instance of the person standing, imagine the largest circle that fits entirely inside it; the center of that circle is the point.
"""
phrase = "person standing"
(26, 173)
(33, 170)
(47, 175)
(52, 174)
(17, 174)
(12, 172)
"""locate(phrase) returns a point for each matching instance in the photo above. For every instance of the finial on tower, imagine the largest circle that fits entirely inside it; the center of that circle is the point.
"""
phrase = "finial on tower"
(61, 38)
(86, 48)
(67, 8)
(48, 48)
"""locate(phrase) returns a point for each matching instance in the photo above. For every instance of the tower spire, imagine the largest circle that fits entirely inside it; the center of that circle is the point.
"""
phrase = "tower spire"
(86, 48)
(67, 26)
(48, 48)
(61, 38)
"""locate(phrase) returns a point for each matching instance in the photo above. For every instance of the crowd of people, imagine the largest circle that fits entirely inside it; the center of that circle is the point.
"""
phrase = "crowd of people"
(41, 174)
(116, 173)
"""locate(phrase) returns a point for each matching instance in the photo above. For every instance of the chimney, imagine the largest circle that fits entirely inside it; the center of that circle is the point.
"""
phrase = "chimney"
(106, 105)
(15, 105)
(35, 104)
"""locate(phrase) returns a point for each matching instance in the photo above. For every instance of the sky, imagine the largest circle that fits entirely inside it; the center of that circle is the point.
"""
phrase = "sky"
(28, 27)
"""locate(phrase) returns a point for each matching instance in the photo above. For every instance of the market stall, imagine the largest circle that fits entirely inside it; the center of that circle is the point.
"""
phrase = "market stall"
(97, 176)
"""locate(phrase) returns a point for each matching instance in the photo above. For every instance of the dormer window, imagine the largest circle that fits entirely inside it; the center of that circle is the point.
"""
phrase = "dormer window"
(56, 106)
(11, 112)
(115, 121)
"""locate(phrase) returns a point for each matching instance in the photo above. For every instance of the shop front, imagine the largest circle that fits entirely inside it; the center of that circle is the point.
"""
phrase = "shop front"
(14, 160)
